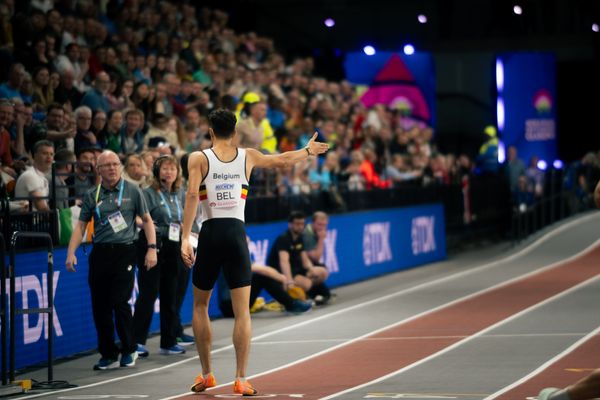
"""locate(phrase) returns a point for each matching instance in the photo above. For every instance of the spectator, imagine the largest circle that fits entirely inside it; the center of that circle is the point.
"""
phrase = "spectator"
(314, 236)
(273, 282)
(67, 92)
(131, 133)
(70, 62)
(64, 160)
(43, 92)
(135, 170)
(254, 130)
(522, 195)
(33, 184)
(514, 168)
(85, 137)
(487, 159)
(367, 169)
(398, 171)
(84, 178)
(27, 88)
(111, 274)
(288, 256)
(52, 129)
(110, 137)
(535, 177)
(12, 88)
(22, 121)
(95, 98)
(6, 118)
(98, 122)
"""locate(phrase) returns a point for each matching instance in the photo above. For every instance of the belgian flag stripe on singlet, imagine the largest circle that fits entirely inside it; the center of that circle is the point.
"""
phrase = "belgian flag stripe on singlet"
(244, 191)
(202, 193)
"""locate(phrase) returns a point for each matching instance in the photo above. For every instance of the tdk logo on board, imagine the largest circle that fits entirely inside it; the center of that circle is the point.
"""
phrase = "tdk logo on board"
(329, 257)
(376, 243)
(32, 289)
(422, 235)
(258, 251)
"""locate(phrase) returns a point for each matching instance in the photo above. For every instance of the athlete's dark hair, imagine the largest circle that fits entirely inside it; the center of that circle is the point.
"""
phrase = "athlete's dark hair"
(296, 215)
(222, 123)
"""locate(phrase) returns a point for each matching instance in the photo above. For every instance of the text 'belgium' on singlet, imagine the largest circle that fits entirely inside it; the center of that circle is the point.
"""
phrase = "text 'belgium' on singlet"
(224, 189)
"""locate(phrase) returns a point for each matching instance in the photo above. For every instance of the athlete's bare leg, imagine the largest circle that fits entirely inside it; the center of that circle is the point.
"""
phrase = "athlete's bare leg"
(242, 328)
(202, 328)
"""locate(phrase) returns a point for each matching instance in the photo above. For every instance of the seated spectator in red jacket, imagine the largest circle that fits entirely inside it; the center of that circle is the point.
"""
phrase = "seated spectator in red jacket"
(367, 170)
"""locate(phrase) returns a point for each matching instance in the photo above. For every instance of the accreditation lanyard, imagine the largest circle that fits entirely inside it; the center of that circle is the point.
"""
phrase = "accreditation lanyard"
(168, 209)
(119, 201)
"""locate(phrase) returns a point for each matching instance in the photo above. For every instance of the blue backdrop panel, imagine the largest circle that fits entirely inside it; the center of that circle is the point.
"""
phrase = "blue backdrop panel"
(358, 246)
(530, 104)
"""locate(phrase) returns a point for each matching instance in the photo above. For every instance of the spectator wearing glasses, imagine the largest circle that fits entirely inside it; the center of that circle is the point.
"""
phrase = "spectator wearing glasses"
(85, 137)
(114, 204)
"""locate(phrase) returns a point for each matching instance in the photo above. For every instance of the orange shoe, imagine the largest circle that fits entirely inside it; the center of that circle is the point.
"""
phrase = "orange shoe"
(201, 383)
(244, 388)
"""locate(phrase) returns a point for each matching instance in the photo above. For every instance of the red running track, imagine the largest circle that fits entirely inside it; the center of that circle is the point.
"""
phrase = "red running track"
(365, 360)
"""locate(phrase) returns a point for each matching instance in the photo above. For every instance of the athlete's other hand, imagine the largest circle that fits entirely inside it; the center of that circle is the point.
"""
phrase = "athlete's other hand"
(315, 148)
(187, 253)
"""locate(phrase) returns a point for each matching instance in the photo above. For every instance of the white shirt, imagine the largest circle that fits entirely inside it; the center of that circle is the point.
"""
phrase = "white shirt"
(32, 180)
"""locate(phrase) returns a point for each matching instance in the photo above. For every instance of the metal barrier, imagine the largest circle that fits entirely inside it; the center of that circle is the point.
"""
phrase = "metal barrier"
(3, 309)
(40, 310)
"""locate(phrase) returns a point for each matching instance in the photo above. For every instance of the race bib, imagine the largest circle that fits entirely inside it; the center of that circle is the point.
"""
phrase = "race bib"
(117, 222)
(224, 195)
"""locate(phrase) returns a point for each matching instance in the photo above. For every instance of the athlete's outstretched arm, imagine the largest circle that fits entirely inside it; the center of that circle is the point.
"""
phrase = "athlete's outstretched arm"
(191, 205)
(288, 158)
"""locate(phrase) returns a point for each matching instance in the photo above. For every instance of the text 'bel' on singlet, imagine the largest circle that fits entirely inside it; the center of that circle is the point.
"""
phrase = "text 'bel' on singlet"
(224, 189)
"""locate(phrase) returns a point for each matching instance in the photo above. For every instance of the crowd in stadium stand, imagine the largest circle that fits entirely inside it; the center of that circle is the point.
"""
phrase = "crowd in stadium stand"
(141, 77)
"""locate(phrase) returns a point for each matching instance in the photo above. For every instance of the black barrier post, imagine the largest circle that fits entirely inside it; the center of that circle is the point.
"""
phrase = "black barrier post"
(41, 310)
(3, 308)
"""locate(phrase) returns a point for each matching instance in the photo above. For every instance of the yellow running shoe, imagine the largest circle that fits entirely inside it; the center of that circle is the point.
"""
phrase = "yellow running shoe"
(244, 388)
(258, 305)
(201, 383)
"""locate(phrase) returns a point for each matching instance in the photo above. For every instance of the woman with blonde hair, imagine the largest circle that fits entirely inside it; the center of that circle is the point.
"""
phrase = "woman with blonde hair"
(135, 170)
(165, 202)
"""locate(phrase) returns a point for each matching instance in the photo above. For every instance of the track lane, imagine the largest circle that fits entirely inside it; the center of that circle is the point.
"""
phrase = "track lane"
(364, 361)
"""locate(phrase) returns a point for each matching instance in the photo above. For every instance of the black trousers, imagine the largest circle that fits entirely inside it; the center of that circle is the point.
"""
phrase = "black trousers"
(260, 282)
(183, 281)
(161, 280)
(111, 275)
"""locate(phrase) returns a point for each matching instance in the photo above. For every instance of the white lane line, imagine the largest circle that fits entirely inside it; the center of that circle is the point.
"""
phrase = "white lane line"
(407, 338)
(468, 339)
(547, 364)
(461, 274)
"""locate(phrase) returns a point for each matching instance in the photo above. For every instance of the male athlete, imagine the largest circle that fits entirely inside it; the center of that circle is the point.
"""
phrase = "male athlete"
(218, 178)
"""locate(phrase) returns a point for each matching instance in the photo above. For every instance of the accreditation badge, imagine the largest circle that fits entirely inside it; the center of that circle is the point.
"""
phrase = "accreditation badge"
(117, 222)
(174, 231)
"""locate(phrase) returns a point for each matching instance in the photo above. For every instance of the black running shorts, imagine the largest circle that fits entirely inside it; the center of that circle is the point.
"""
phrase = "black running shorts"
(222, 244)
